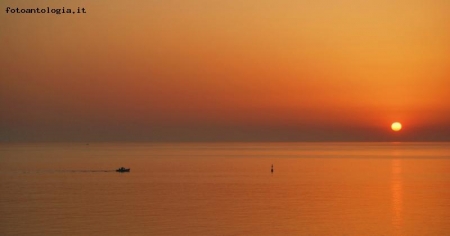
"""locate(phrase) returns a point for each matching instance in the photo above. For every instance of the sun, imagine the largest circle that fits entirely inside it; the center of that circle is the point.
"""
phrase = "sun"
(396, 126)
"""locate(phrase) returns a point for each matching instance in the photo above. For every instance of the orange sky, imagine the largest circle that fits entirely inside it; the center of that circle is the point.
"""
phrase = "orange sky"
(226, 71)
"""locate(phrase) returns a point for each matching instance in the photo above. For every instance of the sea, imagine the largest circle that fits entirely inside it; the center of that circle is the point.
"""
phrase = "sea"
(399, 189)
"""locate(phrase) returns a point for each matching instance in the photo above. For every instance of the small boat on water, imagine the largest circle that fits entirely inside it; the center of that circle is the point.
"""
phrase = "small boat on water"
(123, 169)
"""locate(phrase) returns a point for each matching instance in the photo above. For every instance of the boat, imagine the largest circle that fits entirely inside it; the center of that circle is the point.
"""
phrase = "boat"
(123, 169)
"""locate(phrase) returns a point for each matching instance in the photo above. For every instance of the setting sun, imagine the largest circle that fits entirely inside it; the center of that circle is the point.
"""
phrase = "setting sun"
(396, 126)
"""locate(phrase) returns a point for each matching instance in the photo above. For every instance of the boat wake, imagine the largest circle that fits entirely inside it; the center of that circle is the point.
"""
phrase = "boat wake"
(68, 171)
(92, 171)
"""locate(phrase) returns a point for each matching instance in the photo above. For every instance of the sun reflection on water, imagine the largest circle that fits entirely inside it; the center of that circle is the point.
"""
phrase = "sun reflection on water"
(397, 195)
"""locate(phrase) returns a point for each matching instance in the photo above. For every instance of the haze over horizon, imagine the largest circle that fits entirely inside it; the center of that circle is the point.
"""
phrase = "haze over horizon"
(204, 70)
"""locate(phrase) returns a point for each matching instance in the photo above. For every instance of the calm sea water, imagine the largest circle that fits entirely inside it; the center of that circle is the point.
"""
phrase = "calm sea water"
(225, 189)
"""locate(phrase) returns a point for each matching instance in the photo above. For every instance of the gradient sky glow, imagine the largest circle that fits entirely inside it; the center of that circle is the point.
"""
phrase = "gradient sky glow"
(203, 70)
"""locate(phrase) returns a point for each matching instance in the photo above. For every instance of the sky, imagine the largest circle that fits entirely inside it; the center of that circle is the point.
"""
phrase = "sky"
(207, 70)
